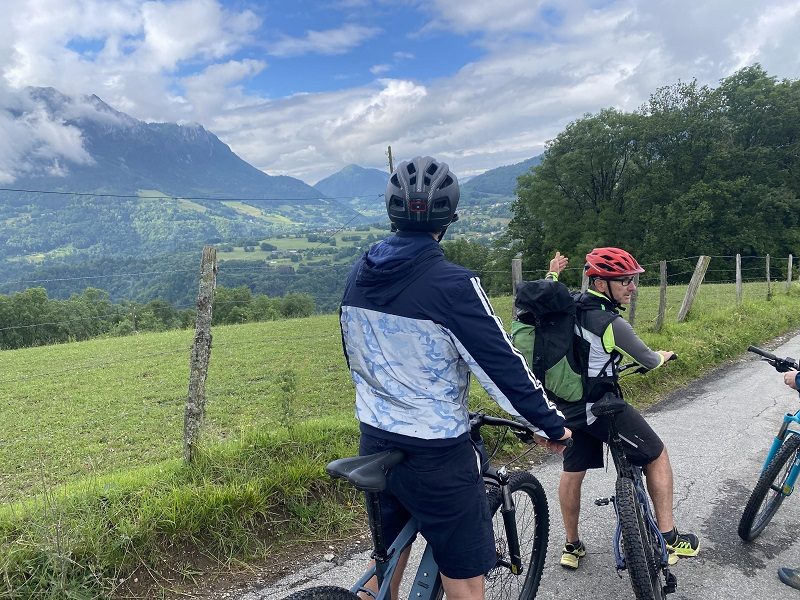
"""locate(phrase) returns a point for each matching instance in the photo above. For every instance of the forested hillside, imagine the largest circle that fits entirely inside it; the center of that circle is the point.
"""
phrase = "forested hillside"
(696, 170)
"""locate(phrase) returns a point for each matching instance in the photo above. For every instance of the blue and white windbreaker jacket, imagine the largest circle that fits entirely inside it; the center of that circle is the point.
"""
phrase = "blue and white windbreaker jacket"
(413, 327)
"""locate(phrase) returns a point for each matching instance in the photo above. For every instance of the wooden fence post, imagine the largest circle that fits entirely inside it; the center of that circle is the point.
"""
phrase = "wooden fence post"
(769, 284)
(201, 353)
(632, 308)
(738, 280)
(516, 279)
(694, 285)
(789, 275)
(662, 295)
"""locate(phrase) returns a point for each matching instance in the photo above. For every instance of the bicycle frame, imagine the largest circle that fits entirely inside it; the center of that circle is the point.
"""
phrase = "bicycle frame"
(626, 469)
(780, 438)
(427, 580)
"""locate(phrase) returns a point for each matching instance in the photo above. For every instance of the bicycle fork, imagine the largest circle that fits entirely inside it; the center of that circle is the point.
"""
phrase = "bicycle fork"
(671, 582)
(508, 510)
(619, 559)
(788, 485)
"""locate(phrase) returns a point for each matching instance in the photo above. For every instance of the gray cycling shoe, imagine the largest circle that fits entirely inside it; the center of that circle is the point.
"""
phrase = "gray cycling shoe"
(790, 577)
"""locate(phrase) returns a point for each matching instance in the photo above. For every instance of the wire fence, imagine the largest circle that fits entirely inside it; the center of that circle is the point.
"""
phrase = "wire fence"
(118, 400)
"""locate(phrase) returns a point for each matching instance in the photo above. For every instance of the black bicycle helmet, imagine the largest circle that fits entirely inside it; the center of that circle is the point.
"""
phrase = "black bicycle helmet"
(422, 195)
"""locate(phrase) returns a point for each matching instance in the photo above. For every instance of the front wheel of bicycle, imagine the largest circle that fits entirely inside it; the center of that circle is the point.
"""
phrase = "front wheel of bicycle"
(767, 495)
(323, 592)
(533, 528)
(640, 559)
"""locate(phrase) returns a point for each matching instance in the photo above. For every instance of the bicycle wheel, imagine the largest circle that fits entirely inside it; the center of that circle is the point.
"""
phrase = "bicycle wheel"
(323, 592)
(767, 498)
(637, 546)
(533, 527)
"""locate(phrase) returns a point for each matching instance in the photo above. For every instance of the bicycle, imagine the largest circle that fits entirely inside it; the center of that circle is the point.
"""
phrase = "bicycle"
(639, 546)
(520, 517)
(781, 466)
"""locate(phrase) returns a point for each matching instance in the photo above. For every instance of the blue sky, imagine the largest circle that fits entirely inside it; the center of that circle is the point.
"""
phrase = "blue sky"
(304, 88)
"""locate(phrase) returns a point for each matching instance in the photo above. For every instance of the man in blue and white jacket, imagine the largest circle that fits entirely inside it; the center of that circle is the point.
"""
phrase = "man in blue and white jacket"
(413, 328)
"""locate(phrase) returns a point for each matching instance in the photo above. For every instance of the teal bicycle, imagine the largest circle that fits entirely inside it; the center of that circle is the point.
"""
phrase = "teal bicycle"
(781, 467)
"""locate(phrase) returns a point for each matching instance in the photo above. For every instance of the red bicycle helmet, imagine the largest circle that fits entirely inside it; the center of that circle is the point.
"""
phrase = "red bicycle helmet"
(610, 263)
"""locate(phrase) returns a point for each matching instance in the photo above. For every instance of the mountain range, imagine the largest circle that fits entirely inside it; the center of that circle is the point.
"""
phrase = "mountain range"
(128, 188)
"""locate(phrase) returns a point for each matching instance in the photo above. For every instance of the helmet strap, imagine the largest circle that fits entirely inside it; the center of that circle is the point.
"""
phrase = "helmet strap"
(609, 294)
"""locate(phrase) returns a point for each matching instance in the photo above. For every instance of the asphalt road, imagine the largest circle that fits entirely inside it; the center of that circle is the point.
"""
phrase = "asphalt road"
(717, 431)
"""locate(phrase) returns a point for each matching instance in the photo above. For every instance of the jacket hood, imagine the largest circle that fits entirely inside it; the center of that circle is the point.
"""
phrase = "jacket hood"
(391, 265)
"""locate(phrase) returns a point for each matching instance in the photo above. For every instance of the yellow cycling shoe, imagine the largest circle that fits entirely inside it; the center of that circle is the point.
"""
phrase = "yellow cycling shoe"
(571, 554)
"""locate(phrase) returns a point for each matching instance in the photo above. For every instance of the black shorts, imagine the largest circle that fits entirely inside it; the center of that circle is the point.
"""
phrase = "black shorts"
(442, 488)
(643, 445)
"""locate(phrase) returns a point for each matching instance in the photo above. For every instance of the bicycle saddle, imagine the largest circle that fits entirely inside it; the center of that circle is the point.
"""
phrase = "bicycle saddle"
(609, 404)
(366, 473)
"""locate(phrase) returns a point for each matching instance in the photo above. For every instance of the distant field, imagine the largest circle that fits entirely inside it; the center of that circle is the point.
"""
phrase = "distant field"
(301, 244)
(96, 407)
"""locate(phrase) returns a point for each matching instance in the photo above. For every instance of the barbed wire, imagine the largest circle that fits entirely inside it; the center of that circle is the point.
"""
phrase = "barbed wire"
(319, 199)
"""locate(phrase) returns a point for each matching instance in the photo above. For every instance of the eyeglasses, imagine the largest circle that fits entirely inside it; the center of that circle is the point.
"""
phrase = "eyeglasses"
(625, 281)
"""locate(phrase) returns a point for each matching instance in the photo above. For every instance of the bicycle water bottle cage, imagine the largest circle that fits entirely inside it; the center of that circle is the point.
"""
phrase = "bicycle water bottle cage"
(366, 473)
(609, 404)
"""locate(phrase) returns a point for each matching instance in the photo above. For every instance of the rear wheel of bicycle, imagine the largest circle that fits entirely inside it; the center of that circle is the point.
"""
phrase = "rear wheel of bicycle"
(323, 592)
(533, 528)
(637, 547)
(767, 497)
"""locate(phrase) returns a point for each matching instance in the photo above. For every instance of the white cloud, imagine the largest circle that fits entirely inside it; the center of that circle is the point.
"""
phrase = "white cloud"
(32, 138)
(217, 87)
(191, 29)
(331, 41)
(482, 16)
(380, 69)
(540, 65)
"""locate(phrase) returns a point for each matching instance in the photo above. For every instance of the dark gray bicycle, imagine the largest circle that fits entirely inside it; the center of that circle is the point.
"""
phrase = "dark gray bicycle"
(520, 517)
(639, 547)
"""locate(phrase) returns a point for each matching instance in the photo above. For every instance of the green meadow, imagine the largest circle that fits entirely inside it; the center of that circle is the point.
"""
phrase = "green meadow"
(90, 440)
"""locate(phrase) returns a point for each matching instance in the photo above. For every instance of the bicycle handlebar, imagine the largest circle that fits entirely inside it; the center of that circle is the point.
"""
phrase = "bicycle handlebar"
(781, 365)
(523, 432)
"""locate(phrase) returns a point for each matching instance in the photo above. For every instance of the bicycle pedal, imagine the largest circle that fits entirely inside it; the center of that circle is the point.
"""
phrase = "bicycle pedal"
(672, 582)
(603, 501)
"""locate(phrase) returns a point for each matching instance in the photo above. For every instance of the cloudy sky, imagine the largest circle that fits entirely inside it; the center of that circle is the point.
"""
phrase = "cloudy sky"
(304, 88)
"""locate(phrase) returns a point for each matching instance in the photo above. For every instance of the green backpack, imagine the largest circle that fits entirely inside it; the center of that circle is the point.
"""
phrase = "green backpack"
(544, 332)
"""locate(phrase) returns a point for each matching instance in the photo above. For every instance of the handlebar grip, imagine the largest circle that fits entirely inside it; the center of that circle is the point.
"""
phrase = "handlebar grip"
(760, 352)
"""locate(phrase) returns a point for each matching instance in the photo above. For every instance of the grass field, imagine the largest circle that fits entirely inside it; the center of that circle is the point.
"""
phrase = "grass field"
(93, 407)
(93, 431)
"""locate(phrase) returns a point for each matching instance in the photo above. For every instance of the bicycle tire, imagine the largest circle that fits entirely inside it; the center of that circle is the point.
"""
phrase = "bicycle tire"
(637, 546)
(323, 592)
(533, 528)
(761, 507)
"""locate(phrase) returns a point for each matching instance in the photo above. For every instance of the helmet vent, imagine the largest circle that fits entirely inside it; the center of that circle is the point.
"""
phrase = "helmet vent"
(431, 169)
(413, 180)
